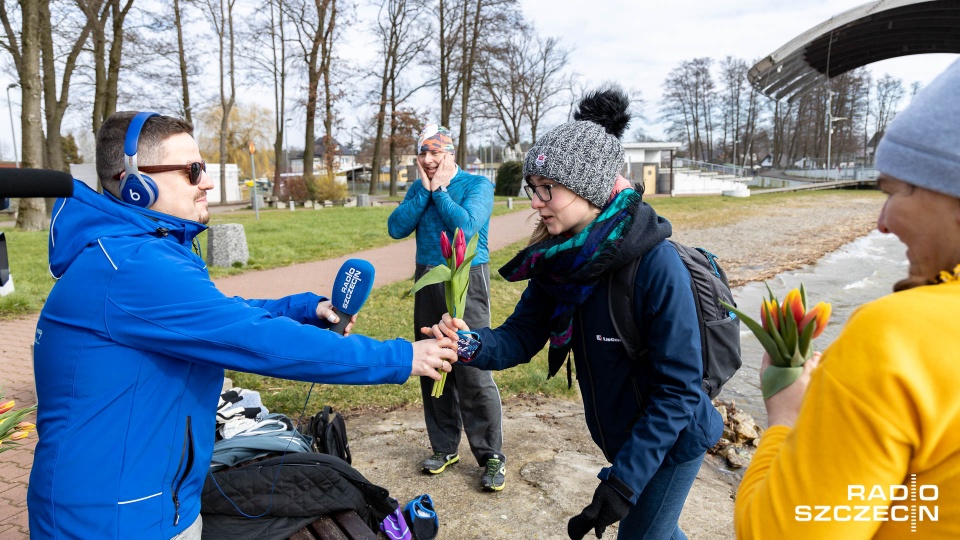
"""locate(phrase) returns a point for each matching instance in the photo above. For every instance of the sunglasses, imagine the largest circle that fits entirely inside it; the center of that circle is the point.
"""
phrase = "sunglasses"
(543, 192)
(194, 170)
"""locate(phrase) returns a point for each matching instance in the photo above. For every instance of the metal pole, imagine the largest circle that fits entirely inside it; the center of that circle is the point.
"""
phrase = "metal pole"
(734, 148)
(253, 188)
(286, 149)
(13, 131)
(829, 130)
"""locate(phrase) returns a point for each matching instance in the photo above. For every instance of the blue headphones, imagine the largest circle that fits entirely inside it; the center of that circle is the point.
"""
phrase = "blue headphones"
(136, 188)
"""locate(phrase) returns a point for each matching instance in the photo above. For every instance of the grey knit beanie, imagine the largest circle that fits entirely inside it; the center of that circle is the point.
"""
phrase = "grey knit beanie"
(585, 155)
(579, 155)
(922, 144)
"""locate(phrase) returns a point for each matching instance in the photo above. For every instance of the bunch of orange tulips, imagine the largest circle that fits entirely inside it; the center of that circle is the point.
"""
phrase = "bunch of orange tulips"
(12, 426)
(786, 332)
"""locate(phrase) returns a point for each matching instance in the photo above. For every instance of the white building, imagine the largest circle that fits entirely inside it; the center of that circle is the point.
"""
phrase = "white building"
(643, 161)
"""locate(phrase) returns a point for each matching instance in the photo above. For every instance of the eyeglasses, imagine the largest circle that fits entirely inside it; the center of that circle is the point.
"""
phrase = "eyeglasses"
(543, 192)
(194, 169)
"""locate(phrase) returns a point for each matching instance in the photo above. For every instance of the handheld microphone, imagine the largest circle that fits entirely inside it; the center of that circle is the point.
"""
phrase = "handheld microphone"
(351, 290)
(29, 183)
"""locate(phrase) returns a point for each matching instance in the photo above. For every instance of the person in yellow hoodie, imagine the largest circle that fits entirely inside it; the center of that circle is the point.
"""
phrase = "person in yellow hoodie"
(867, 445)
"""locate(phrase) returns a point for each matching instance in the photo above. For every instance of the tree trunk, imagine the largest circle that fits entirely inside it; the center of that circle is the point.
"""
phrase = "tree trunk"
(184, 82)
(313, 83)
(31, 215)
(393, 139)
(116, 51)
(279, 93)
(381, 121)
(470, 54)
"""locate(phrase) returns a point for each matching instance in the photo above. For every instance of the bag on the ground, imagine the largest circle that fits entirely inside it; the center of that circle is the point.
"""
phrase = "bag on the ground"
(719, 328)
(395, 527)
(329, 434)
(422, 517)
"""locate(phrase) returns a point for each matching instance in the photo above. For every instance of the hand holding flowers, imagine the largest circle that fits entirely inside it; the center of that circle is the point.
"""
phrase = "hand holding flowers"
(786, 331)
(455, 276)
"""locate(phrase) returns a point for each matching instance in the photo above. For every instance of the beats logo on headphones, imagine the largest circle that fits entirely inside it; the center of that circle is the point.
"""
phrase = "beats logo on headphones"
(136, 188)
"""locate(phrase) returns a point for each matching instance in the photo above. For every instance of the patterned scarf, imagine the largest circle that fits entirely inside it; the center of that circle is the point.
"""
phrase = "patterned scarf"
(569, 268)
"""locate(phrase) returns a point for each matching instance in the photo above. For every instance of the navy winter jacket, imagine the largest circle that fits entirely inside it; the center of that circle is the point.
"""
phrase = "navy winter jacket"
(130, 350)
(640, 413)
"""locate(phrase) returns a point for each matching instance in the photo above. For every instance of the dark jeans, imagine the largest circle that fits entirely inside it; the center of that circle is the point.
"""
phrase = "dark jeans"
(657, 511)
(470, 400)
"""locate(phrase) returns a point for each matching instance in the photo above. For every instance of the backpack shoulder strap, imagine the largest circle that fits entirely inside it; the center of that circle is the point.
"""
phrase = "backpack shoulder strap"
(620, 304)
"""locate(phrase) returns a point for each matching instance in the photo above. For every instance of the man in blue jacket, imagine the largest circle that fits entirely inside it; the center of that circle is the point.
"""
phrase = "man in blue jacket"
(447, 198)
(132, 342)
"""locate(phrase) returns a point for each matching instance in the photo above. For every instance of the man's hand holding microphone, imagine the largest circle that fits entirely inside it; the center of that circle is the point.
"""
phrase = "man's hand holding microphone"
(351, 289)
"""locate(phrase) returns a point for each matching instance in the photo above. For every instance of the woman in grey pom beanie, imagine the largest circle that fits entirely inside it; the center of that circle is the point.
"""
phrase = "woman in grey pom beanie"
(650, 418)
(883, 411)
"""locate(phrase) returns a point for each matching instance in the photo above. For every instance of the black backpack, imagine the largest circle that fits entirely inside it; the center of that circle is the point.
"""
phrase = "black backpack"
(719, 329)
(329, 434)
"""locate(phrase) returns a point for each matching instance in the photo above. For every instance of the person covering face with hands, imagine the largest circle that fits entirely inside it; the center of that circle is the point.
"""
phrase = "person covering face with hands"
(447, 198)
(134, 337)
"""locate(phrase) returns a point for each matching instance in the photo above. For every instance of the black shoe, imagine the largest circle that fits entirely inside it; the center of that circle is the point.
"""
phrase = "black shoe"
(493, 477)
(436, 463)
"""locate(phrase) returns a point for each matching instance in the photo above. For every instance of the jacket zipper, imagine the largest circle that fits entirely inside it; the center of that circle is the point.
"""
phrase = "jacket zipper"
(185, 455)
(593, 392)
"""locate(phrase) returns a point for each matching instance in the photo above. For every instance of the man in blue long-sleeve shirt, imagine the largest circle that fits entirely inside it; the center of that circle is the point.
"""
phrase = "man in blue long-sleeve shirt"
(447, 198)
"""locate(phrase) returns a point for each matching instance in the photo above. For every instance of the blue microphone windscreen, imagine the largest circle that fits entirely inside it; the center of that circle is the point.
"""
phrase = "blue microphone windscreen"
(352, 286)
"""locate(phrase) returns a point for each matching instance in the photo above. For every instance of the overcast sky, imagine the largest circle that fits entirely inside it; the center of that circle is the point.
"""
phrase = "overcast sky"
(635, 44)
(639, 43)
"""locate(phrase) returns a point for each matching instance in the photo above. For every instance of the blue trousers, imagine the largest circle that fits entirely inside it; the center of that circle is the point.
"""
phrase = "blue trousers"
(657, 511)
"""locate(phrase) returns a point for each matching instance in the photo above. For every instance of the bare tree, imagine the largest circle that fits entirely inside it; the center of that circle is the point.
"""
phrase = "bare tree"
(182, 59)
(54, 106)
(106, 19)
(733, 77)
(401, 41)
(220, 13)
(481, 19)
(25, 51)
(889, 92)
(546, 81)
(687, 105)
(316, 25)
(265, 51)
(505, 84)
(449, 17)
(915, 87)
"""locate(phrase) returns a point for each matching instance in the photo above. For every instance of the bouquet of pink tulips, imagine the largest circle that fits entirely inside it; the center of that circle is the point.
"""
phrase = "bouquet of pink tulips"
(455, 276)
(12, 426)
(786, 331)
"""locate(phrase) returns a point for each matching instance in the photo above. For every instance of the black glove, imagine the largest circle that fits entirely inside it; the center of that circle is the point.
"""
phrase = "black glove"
(607, 508)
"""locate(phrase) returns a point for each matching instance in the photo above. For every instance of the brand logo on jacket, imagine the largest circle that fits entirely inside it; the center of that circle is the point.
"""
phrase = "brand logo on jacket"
(611, 339)
(907, 503)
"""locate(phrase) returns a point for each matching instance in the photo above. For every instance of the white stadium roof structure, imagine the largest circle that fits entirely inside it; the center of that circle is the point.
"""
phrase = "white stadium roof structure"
(869, 33)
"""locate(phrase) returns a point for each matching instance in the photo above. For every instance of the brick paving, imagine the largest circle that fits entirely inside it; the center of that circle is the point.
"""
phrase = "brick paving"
(394, 262)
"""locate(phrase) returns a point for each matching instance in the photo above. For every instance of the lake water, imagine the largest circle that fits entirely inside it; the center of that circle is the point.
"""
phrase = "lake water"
(859, 272)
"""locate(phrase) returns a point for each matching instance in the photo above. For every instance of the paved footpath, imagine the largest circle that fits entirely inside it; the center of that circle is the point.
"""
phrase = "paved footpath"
(394, 262)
